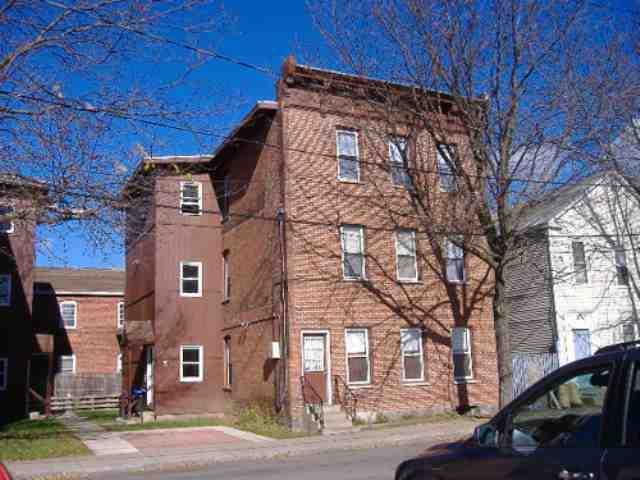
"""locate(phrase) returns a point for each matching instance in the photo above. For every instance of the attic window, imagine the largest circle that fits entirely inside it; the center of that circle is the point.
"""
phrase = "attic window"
(191, 198)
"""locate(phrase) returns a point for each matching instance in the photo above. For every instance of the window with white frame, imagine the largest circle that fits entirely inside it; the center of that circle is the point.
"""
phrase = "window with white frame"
(406, 258)
(579, 263)
(347, 151)
(628, 332)
(5, 290)
(622, 272)
(357, 347)
(4, 373)
(191, 198)
(119, 363)
(454, 259)
(68, 315)
(191, 368)
(226, 277)
(461, 348)
(228, 368)
(191, 279)
(412, 355)
(67, 364)
(120, 315)
(445, 155)
(398, 157)
(352, 239)
(6, 222)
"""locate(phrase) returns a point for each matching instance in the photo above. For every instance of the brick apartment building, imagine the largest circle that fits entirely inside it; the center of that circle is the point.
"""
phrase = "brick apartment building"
(83, 310)
(261, 273)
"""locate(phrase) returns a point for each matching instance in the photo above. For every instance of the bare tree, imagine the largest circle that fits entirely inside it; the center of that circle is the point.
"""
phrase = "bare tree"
(83, 82)
(510, 70)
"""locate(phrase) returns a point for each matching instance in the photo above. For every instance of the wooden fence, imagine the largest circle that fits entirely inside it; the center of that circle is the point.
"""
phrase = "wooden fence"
(100, 402)
(80, 385)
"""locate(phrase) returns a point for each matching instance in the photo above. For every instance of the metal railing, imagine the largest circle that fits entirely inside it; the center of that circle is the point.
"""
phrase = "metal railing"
(345, 397)
(316, 409)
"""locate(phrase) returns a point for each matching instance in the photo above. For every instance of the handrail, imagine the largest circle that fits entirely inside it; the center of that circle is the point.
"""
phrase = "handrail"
(348, 400)
(319, 413)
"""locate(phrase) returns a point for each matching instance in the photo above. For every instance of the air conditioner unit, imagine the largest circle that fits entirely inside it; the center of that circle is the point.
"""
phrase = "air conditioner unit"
(274, 351)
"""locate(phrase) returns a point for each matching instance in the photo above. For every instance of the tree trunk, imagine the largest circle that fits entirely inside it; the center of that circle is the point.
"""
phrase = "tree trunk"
(503, 340)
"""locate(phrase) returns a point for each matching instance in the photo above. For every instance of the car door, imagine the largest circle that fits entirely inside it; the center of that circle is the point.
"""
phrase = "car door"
(557, 431)
(622, 458)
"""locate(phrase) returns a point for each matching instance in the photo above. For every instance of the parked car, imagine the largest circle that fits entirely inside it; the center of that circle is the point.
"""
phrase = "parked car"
(581, 422)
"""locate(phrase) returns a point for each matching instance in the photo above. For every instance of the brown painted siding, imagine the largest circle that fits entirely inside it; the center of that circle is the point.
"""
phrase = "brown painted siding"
(182, 320)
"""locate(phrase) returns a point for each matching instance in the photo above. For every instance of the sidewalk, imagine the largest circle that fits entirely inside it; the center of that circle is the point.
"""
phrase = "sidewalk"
(194, 457)
(95, 438)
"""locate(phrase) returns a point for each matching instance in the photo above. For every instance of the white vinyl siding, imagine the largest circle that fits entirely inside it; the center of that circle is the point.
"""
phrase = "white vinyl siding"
(191, 198)
(348, 158)
(461, 348)
(68, 315)
(412, 355)
(352, 240)
(190, 279)
(406, 257)
(358, 361)
(5, 290)
(191, 363)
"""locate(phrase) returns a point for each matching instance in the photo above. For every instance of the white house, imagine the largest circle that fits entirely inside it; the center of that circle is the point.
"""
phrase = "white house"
(573, 287)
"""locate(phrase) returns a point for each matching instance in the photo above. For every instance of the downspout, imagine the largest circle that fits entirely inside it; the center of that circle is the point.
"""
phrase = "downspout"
(549, 280)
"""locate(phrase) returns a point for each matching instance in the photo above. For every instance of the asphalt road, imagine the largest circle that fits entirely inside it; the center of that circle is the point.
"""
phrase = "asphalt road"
(372, 464)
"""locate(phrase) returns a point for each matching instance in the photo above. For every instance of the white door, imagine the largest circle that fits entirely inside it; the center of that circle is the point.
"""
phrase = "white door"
(149, 375)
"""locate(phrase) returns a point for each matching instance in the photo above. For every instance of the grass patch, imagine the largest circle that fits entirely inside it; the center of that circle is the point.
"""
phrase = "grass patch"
(253, 419)
(415, 419)
(37, 439)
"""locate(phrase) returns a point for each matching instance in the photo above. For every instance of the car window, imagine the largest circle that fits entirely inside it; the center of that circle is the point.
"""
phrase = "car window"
(567, 414)
(633, 410)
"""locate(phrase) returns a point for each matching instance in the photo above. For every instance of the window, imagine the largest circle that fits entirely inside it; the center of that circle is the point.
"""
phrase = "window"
(191, 279)
(581, 343)
(412, 356)
(119, 363)
(120, 315)
(352, 238)
(347, 150)
(566, 415)
(226, 277)
(228, 369)
(67, 364)
(628, 332)
(461, 347)
(226, 197)
(622, 273)
(68, 315)
(191, 363)
(357, 346)
(579, 263)
(5, 290)
(398, 157)
(190, 198)
(445, 166)
(454, 260)
(6, 225)
(4, 373)
(406, 260)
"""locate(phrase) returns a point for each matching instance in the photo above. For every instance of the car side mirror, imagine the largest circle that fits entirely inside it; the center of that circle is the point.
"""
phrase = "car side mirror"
(486, 435)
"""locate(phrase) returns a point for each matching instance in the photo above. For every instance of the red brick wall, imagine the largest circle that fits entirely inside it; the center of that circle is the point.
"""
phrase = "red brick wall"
(94, 341)
(319, 299)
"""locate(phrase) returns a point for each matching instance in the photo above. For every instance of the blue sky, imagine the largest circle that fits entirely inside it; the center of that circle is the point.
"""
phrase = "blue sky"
(262, 33)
